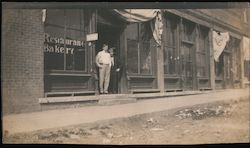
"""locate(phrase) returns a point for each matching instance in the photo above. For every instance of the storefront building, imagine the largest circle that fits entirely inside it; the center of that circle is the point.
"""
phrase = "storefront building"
(52, 55)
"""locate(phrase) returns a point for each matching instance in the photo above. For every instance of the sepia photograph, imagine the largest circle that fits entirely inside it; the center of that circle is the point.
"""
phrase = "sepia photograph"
(117, 73)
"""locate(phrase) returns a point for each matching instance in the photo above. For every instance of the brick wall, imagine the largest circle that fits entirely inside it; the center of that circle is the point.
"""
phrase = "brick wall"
(22, 60)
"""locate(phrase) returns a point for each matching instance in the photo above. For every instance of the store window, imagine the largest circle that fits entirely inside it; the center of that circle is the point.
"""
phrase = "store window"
(140, 42)
(187, 48)
(202, 53)
(171, 56)
(64, 46)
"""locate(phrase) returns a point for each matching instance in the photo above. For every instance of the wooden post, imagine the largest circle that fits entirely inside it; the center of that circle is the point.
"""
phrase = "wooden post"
(160, 67)
(160, 61)
(241, 63)
(181, 37)
(211, 59)
(194, 52)
(123, 57)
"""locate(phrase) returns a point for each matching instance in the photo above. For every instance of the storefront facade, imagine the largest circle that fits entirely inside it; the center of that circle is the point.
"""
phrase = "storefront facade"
(183, 61)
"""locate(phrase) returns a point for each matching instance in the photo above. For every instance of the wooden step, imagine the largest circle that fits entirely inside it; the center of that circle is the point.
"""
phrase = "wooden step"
(54, 94)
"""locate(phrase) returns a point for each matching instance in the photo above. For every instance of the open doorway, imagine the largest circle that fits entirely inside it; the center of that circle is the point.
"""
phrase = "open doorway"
(110, 35)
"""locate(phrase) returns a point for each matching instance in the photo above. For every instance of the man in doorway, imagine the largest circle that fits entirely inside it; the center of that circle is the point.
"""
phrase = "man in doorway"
(112, 84)
(116, 69)
(103, 61)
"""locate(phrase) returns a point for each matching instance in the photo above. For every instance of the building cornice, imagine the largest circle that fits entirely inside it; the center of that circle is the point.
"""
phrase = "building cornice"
(203, 19)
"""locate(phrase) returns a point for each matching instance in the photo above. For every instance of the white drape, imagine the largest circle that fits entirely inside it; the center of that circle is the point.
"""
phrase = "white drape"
(137, 15)
(219, 43)
(43, 15)
(157, 28)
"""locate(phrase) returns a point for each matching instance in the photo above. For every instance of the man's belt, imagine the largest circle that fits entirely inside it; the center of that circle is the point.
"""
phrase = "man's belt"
(103, 64)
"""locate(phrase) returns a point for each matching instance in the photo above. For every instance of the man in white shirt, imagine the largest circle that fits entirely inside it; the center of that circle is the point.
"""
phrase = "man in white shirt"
(104, 61)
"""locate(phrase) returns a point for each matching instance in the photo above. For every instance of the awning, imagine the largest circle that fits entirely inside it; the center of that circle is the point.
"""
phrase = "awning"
(137, 15)
(143, 15)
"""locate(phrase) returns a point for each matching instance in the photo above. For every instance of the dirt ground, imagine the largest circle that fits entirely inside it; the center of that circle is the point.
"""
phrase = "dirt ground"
(219, 122)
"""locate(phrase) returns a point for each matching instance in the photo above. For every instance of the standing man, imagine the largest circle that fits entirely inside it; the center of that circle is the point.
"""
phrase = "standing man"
(116, 71)
(103, 61)
(112, 85)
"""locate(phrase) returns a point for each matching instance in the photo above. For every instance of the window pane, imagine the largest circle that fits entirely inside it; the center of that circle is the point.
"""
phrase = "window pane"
(172, 60)
(145, 58)
(55, 17)
(140, 63)
(171, 33)
(145, 32)
(146, 44)
(202, 53)
(75, 47)
(166, 61)
(186, 61)
(171, 53)
(188, 29)
(201, 65)
(132, 31)
(202, 40)
(54, 45)
(219, 66)
(74, 19)
(55, 31)
(55, 38)
(132, 56)
(53, 52)
(80, 62)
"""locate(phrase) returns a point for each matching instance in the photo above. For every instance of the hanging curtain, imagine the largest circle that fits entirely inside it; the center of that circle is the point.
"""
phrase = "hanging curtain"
(157, 28)
(143, 15)
(219, 43)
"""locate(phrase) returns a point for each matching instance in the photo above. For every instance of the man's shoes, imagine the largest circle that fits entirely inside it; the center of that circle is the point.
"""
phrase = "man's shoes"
(106, 93)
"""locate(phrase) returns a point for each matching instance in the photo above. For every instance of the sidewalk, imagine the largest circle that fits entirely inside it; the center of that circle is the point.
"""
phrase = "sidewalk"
(58, 118)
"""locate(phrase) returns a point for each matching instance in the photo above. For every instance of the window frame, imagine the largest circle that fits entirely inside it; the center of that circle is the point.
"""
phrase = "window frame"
(140, 43)
(66, 28)
(174, 47)
(204, 52)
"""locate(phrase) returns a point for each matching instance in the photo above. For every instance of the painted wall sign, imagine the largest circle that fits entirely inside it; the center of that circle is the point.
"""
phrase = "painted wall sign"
(92, 37)
(56, 45)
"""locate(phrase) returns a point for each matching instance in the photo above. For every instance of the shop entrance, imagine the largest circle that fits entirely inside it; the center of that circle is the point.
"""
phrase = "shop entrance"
(108, 34)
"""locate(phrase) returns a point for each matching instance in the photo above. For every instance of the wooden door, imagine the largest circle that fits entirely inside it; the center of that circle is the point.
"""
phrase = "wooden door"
(186, 54)
(228, 71)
